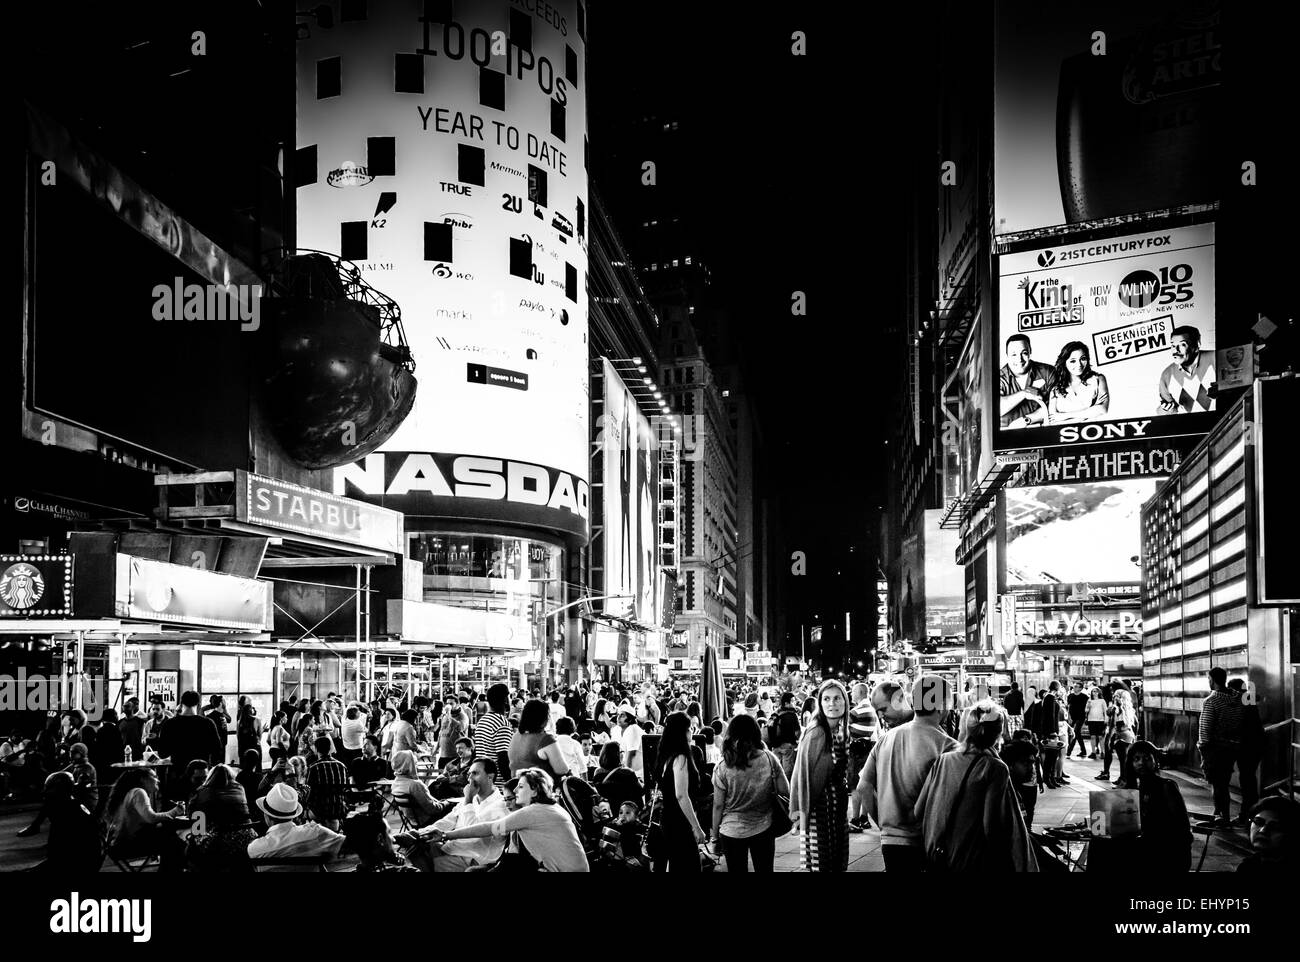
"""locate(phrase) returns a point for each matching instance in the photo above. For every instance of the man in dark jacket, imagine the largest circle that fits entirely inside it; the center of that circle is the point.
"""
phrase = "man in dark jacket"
(185, 738)
(219, 717)
(1077, 703)
(131, 728)
(1251, 749)
(1219, 740)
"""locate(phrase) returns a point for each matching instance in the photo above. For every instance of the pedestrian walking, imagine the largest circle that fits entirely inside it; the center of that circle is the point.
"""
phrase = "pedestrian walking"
(968, 810)
(746, 785)
(819, 791)
(892, 778)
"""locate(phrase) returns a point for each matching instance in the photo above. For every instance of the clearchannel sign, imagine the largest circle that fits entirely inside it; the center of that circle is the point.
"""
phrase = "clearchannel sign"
(446, 159)
(1107, 341)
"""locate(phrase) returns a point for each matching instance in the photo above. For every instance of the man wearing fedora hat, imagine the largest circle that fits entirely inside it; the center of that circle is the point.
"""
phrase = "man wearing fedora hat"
(284, 839)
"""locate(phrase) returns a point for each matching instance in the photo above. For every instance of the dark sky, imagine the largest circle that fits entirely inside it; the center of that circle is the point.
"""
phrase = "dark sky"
(803, 173)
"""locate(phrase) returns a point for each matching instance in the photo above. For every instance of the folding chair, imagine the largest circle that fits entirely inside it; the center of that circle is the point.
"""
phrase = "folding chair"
(135, 864)
(402, 808)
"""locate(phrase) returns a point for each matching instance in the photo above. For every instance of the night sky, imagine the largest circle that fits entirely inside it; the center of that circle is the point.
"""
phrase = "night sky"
(802, 183)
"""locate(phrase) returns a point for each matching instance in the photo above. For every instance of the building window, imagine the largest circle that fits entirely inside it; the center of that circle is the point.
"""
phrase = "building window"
(690, 309)
(674, 262)
(688, 261)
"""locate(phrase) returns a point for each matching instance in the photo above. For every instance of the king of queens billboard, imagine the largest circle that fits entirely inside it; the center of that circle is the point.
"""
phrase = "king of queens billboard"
(1107, 340)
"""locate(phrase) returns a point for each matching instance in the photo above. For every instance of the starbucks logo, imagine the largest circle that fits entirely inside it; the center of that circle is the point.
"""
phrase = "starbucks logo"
(21, 586)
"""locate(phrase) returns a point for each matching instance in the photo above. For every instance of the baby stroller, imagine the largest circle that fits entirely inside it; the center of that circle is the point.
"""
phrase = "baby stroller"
(591, 817)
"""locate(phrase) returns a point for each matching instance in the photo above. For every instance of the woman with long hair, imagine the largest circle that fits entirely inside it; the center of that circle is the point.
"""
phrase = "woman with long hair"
(224, 804)
(968, 809)
(819, 790)
(678, 779)
(600, 713)
(745, 785)
(248, 730)
(1121, 722)
(136, 828)
(532, 746)
(543, 825)
(809, 709)
(693, 714)
(1078, 393)
(1096, 720)
(615, 781)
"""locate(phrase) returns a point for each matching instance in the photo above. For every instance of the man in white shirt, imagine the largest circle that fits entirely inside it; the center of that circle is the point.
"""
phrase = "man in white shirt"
(556, 710)
(286, 840)
(629, 740)
(570, 749)
(432, 852)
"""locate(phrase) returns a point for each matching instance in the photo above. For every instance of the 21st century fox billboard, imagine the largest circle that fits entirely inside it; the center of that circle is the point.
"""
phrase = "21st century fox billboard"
(1106, 340)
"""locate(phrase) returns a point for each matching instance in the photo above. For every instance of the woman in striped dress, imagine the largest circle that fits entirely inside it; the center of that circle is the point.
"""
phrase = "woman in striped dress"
(819, 790)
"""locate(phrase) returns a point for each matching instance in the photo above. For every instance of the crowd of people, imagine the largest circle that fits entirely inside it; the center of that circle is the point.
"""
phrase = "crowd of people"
(625, 778)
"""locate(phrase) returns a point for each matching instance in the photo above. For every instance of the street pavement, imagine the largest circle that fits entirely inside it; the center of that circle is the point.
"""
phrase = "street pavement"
(1055, 807)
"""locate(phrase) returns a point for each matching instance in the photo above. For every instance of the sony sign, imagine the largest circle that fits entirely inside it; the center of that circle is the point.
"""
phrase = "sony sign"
(459, 485)
(1128, 623)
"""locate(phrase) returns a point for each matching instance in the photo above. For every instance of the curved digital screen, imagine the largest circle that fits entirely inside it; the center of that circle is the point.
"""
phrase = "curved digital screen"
(441, 147)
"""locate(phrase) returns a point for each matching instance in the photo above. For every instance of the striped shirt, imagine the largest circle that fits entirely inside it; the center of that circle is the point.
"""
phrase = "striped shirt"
(1221, 716)
(328, 780)
(491, 738)
(862, 720)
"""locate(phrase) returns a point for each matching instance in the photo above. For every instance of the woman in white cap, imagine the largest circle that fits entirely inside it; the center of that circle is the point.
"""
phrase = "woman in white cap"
(819, 790)
(968, 810)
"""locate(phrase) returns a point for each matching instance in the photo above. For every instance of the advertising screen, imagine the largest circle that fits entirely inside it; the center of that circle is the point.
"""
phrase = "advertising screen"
(944, 590)
(1103, 109)
(1076, 532)
(630, 515)
(973, 438)
(1107, 340)
(441, 148)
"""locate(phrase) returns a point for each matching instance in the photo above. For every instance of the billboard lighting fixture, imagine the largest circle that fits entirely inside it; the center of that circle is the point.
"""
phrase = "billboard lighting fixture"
(646, 380)
(641, 368)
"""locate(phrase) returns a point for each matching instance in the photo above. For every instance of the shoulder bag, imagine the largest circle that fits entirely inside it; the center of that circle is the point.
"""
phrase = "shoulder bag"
(781, 822)
(939, 860)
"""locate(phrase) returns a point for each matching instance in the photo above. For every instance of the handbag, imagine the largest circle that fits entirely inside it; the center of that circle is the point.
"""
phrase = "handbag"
(938, 859)
(781, 821)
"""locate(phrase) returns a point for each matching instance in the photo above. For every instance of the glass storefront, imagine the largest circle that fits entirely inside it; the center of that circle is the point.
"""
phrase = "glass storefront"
(519, 577)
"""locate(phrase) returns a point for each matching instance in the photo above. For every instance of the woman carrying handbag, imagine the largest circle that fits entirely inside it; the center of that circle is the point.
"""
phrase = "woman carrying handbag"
(750, 791)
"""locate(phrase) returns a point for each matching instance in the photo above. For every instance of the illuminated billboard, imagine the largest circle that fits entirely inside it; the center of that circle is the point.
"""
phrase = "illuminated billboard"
(1107, 340)
(971, 434)
(441, 148)
(629, 514)
(1103, 109)
(1075, 533)
(944, 587)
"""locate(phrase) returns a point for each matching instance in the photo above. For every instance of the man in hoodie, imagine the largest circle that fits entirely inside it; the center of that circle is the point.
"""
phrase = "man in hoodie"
(892, 777)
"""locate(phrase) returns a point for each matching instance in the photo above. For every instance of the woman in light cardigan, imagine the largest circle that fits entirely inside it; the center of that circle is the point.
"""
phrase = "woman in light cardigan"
(819, 789)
